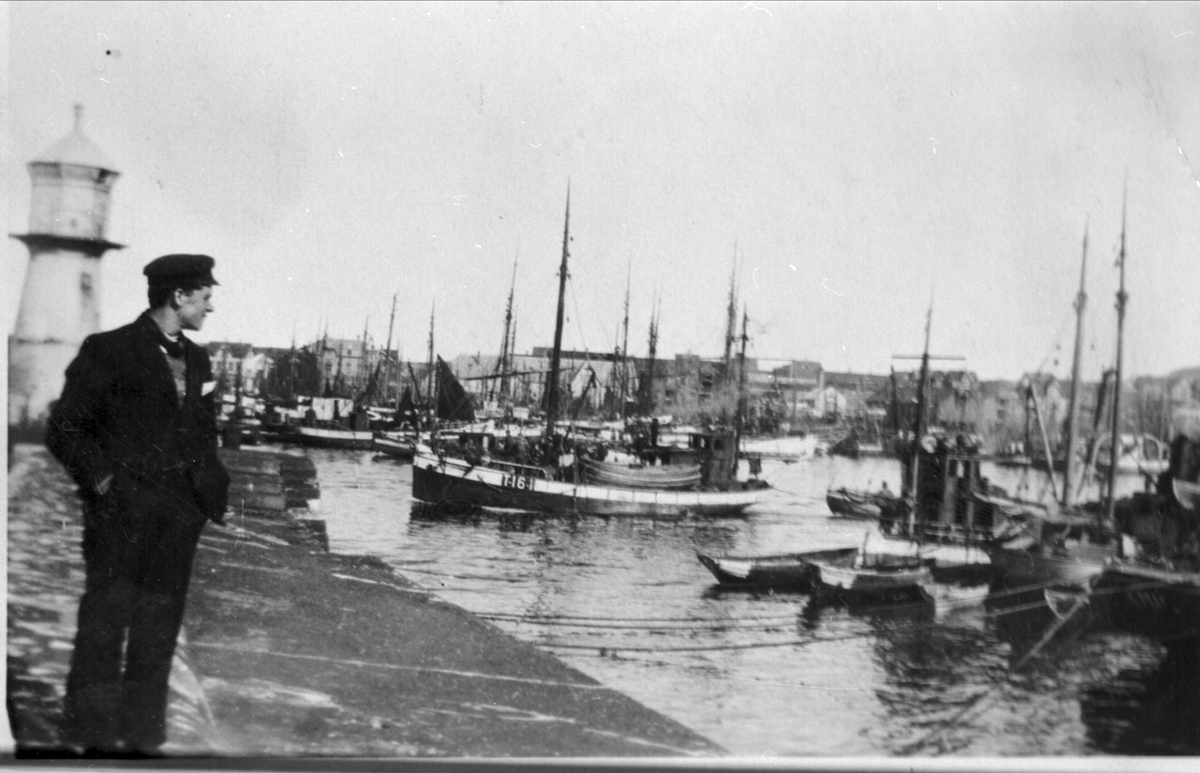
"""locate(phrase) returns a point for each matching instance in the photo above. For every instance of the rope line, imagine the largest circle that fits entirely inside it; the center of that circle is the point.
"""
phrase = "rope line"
(618, 627)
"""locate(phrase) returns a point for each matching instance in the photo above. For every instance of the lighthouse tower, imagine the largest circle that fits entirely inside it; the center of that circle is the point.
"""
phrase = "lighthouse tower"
(60, 302)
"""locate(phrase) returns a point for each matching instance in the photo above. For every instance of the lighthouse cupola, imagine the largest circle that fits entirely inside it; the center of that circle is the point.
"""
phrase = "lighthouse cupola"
(71, 184)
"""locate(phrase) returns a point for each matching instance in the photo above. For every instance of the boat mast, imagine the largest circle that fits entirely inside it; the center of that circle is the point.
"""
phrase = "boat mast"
(556, 355)
(431, 403)
(1115, 444)
(739, 413)
(387, 351)
(502, 367)
(363, 375)
(649, 406)
(919, 423)
(1069, 474)
(730, 331)
(625, 342)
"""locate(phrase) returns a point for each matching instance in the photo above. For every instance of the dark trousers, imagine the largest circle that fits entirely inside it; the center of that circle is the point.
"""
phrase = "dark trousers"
(139, 541)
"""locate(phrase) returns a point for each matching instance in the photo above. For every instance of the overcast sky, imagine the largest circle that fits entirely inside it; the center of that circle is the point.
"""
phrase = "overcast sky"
(857, 159)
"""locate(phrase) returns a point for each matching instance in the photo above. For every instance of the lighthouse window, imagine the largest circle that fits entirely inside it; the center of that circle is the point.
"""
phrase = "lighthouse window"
(85, 283)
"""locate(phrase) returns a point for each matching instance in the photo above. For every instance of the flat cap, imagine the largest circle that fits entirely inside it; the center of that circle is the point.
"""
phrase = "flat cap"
(180, 269)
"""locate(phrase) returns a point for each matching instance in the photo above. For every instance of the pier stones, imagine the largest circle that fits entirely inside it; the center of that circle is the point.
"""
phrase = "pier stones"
(291, 650)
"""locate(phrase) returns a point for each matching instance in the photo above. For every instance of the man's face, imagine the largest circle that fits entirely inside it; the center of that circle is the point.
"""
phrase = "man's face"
(194, 306)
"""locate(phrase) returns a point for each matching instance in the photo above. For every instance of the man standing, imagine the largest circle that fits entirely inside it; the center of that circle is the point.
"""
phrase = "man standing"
(136, 429)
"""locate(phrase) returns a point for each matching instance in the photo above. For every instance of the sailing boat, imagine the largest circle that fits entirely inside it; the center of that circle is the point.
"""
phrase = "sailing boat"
(467, 479)
(1064, 543)
(1152, 586)
(394, 443)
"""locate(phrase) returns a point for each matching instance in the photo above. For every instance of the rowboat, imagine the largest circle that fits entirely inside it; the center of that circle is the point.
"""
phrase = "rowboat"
(873, 577)
(889, 572)
(793, 570)
(853, 503)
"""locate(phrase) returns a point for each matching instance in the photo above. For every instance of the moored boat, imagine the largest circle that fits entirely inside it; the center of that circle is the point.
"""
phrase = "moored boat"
(1153, 587)
(466, 476)
(332, 435)
(1064, 542)
(399, 445)
(856, 503)
(867, 576)
(457, 483)
(786, 570)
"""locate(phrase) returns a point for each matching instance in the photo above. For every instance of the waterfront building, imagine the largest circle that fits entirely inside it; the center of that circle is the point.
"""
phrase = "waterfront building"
(237, 366)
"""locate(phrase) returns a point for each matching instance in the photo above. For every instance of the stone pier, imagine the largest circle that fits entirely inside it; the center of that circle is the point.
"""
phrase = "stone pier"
(289, 650)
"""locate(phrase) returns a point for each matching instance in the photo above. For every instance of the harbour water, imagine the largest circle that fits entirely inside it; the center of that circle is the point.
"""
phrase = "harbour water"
(774, 675)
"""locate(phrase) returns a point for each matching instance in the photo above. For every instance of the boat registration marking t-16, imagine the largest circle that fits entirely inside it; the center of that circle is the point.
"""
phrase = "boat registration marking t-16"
(517, 481)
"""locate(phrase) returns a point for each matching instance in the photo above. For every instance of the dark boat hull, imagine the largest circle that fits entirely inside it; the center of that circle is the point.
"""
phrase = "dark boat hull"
(790, 570)
(457, 486)
(397, 449)
(844, 503)
(1149, 601)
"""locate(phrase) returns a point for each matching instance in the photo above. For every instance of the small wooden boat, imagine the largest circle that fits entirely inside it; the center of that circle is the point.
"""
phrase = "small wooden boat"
(330, 435)
(398, 445)
(874, 577)
(791, 570)
(897, 573)
(851, 503)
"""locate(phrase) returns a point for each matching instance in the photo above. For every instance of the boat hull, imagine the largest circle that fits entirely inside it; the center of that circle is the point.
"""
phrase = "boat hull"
(845, 582)
(1039, 564)
(1150, 601)
(791, 570)
(844, 503)
(397, 448)
(316, 437)
(458, 486)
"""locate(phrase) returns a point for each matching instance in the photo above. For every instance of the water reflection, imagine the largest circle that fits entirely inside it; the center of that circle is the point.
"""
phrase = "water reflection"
(1152, 710)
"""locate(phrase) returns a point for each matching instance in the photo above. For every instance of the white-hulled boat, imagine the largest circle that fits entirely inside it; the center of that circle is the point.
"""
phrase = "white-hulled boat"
(330, 435)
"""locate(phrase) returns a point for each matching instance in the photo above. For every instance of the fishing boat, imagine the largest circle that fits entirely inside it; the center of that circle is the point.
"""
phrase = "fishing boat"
(1047, 549)
(937, 511)
(786, 570)
(457, 477)
(1153, 587)
(457, 482)
(1065, 542)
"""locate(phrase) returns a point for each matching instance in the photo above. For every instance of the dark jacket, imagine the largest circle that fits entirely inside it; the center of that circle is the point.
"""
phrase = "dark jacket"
(120, 414)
